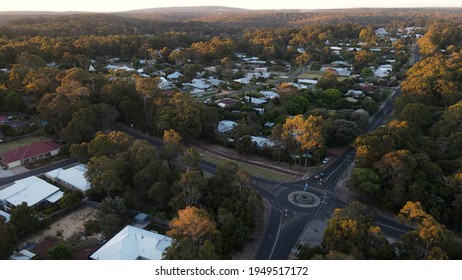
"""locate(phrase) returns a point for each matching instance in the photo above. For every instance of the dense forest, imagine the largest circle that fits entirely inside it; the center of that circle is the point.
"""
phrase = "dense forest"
(202, 22)
(417, 155)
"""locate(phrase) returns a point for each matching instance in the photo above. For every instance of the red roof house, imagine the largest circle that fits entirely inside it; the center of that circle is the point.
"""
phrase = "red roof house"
(29, 153)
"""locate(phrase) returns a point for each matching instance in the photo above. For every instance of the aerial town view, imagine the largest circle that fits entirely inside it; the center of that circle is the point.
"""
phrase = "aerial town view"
(209, 132)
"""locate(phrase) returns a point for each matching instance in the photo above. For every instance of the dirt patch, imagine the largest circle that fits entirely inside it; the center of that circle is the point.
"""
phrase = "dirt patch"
(65, 227)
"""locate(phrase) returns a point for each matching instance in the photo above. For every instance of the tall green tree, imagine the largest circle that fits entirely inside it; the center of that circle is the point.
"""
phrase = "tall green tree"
(8, 239)
(427, 236)
(307, 133)
(351, 231)
(24, 218)
(111, 214)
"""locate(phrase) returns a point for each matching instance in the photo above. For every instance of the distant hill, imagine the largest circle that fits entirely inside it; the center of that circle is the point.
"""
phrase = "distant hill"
(188, 10)
(19, 15)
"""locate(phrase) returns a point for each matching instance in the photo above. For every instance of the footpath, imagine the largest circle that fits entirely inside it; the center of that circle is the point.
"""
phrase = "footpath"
(258, 161)
(226, 153)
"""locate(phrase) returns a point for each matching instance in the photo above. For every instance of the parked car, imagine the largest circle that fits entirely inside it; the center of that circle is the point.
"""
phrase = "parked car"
(318, 175)
(325, 160)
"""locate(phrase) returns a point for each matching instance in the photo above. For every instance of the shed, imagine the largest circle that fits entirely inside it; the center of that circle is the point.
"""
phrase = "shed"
(141, 218)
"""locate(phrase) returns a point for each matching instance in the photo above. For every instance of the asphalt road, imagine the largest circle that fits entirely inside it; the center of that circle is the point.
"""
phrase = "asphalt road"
(287, 222)
(8, 180)
(286, 227)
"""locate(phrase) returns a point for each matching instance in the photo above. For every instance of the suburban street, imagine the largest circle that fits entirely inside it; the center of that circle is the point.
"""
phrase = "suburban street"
(287, 222)
(8, 180)
(290, 223)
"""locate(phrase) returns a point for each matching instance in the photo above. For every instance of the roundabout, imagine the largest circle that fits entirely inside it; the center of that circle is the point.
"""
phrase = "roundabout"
(304, 199)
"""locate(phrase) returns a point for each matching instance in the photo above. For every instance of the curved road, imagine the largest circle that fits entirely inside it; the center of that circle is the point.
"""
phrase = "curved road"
(290, 223)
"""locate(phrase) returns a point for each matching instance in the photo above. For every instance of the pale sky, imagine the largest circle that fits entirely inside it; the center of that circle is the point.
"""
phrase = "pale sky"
(126, 5)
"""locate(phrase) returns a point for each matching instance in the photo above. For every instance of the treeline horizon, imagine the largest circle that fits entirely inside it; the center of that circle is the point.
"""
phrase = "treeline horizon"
(229, 21)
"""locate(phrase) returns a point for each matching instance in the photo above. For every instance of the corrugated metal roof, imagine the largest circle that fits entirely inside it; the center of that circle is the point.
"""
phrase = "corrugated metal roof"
(28, 151)
(30, 190)
(132, 243)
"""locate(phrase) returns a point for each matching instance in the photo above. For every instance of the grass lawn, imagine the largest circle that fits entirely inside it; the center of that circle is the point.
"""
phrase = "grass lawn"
(252, 170)
(312, 74)
(9, 146)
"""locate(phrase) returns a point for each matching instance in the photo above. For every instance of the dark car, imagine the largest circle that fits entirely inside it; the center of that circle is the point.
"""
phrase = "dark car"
(318, 175)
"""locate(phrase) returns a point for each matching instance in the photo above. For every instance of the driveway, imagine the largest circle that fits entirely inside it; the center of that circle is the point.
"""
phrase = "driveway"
(12, 171)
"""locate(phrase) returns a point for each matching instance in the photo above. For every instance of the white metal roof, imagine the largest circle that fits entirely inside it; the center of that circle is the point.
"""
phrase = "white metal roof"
(74, 176)
(22, 255)
(263, 141)
(175, 75)
(256, 101)
(269, 94)
(132, 243)
(30, 190)
(226, 125)
(308, 81)
(55, 197)
(5, 215)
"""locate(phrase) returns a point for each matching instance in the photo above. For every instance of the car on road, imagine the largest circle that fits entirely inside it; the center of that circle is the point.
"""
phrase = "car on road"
(318, 175)
(325, 160)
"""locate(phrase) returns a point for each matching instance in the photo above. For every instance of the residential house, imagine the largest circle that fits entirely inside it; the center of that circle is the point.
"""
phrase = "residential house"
(260, 111)
(337, 71)
(29, 154)
(16, 124)
(308, 82)
(212, 69)
(263, 142)
(340, 63)
(244, 81)
(214, 81)
(298, 85)
(383, 70)
(197, 86)
(72, 178)
(164, 84)
(133, 243)
(174, 76)
(117, 68)
(269, 94)
(256, 101)
(382, 32)
(334, 48)
(31, 190)
(23, 255)
(226, 126)
(227, 102)
(355, 93)
(377, 50)
(256, 75)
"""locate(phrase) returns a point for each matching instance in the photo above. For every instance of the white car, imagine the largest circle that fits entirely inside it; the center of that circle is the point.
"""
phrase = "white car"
(325, 160)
